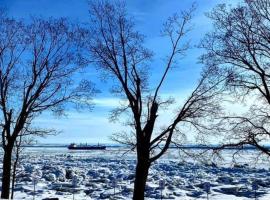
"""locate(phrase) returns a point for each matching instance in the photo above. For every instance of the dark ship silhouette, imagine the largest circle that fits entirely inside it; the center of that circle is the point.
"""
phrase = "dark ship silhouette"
(74, 146)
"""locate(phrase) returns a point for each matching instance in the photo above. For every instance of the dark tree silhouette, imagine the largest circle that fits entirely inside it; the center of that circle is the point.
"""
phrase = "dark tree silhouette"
(17, 151)
(37, 64)
(118, 50)
(239, 45)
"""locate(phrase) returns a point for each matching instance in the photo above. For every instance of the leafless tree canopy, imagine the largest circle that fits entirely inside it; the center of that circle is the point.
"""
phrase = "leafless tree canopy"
(239, 46)
(119, 50)
(37, 64)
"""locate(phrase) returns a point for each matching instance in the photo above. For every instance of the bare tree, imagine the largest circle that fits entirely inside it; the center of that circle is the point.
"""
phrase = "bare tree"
(37, 64)
(118, 50)
(239, 45)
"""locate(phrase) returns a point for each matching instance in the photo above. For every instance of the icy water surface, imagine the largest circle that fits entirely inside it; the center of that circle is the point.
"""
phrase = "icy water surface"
(109, 174)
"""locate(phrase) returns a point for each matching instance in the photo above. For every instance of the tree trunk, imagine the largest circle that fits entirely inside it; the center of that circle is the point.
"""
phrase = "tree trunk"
(14, 172)
(6, 174)
(142, 169)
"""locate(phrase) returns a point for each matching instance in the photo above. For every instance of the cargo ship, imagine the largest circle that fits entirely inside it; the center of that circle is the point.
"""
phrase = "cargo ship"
(74, 146)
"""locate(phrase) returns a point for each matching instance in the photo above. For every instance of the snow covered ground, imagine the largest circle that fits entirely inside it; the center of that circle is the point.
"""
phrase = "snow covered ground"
(58, 172)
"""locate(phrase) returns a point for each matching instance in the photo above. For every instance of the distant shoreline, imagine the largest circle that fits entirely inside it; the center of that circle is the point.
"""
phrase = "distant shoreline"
(123, 146)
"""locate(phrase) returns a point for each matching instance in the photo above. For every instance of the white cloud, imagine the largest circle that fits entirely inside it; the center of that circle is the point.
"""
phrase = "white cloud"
(107, 102)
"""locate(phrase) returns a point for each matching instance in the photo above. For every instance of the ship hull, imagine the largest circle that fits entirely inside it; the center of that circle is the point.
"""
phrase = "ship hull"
(87, 148)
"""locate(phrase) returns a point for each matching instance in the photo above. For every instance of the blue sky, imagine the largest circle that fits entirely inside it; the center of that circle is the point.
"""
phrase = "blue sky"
(149, 15)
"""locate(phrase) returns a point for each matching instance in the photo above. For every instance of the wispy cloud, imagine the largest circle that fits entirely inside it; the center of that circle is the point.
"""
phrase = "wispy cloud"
(107, 102)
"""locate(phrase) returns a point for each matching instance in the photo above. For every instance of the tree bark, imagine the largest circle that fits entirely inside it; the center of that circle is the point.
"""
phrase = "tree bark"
(142, 169)
(6, 174)
(15, 170)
